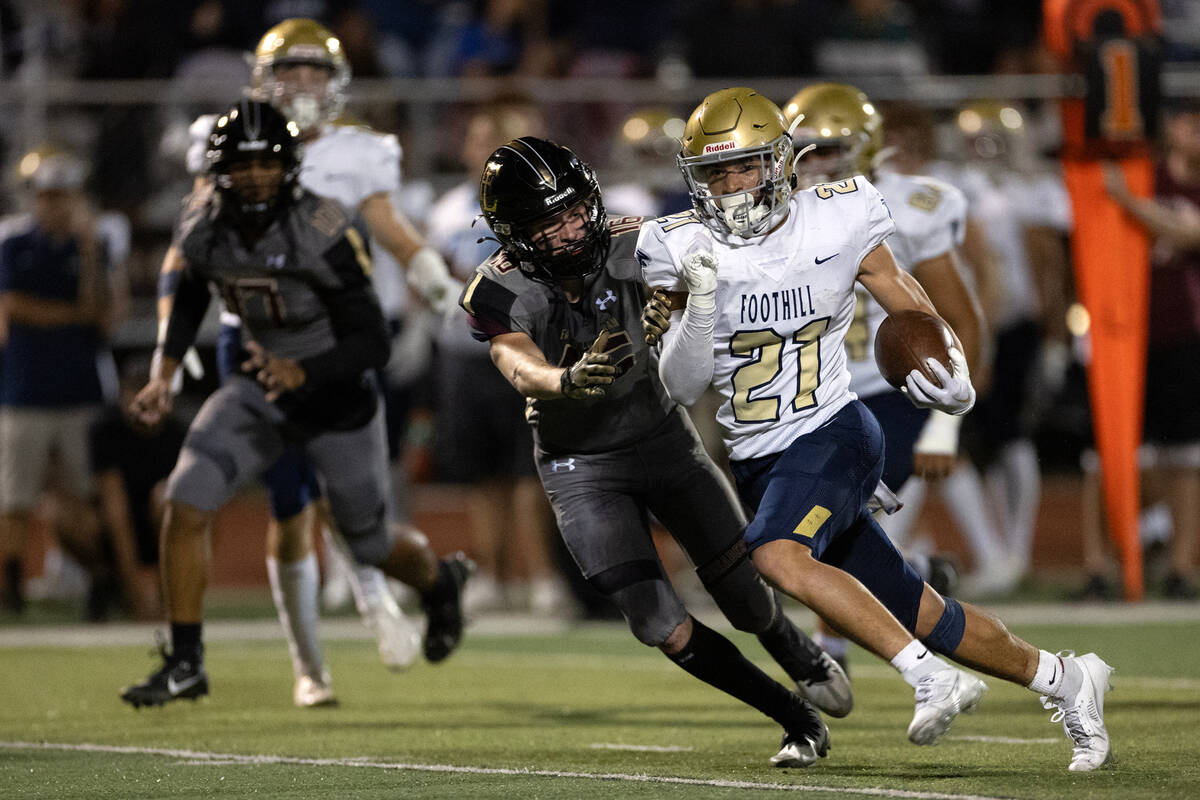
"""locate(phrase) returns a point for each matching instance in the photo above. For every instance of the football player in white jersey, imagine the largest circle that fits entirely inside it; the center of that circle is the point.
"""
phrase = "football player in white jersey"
(1025, 213)
(769, 279)
(300, 68)
(838, 133)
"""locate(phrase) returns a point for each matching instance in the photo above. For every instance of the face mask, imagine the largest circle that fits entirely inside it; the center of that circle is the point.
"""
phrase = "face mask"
(304, 110)
(741, 213)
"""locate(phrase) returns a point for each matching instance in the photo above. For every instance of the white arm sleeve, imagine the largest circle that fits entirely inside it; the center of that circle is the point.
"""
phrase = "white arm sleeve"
(686, 364)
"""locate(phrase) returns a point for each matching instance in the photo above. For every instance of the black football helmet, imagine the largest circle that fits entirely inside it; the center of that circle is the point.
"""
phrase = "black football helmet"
(253, 130)
(530, 180)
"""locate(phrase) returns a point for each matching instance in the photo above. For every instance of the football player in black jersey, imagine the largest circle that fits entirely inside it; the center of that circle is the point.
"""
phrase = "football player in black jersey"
(559, 305)
(295, 269)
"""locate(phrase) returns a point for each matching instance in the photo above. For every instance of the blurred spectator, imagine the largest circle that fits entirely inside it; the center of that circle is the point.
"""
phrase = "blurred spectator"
(495, 37)
(1172, 426)
(617, 39)
(60, 299)
(872, 37)
(975, 37)
(751, 38)
(130, 465)
(482, 439)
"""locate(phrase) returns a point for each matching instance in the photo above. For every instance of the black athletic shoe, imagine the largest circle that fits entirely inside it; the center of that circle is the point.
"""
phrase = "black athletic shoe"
(1177, 587)
(1097, 589)
(443, 607)
(177, 679)
(804, 741)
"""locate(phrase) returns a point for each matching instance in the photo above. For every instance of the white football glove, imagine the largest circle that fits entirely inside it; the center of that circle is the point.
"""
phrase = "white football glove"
(428, 275)
(955, 394)
(700, 274)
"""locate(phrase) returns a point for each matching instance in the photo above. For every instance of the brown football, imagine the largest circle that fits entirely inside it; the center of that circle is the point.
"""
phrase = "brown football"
(906, 339)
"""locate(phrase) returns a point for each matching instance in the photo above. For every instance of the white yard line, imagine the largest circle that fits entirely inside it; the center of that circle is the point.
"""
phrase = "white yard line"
(227, 759)
(1003, 740)
(641, 748)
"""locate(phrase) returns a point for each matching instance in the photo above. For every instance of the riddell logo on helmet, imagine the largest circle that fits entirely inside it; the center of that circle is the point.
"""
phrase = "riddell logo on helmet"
(554, 198)
(719, 147)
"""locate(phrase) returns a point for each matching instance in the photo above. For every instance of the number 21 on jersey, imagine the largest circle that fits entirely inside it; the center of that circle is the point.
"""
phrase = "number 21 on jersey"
(765, 353)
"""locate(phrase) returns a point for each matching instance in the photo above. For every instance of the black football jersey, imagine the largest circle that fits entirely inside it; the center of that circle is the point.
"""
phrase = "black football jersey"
(277, 286)
(501, 299)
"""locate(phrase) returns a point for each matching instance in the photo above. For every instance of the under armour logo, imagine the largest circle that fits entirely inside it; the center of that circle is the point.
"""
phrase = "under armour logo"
(609, 297)
(567, 464)
(276, 262)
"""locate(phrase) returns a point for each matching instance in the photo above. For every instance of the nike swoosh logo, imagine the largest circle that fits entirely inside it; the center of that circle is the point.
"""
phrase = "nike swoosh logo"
(926, 652)
(823, 260)
(176, 688)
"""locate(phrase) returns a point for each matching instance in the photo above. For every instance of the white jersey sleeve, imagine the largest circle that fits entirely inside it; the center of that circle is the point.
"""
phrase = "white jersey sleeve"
(198, 133)
(351, 163)
(657, 244)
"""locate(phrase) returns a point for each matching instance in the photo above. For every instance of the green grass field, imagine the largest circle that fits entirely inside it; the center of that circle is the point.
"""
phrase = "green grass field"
(575, 713)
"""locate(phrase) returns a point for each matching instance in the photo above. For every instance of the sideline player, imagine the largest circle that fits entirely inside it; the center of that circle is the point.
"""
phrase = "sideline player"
(559, 305)
(300, 67)
(296, 271)
(769, 274)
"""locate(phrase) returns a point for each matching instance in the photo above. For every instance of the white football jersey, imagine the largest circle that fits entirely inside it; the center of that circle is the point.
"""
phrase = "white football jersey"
(930, 219)
(348, 163)
(1006, 205)
(784, 304)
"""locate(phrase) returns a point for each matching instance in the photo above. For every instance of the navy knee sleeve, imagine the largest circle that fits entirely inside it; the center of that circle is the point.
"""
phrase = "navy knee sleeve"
(948, 633)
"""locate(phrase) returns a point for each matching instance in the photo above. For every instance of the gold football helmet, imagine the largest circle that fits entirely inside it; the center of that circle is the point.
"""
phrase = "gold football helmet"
(301, 41)
(840, 129)
(992, 132)
(644, 145)
(731, 125)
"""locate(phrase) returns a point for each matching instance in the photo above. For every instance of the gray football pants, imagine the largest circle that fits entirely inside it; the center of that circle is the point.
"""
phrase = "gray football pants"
(238, 434)
(602, 502)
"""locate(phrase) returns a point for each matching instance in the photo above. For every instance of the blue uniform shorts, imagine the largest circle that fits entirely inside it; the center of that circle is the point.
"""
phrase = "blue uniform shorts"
(901, 422)
(815, 492)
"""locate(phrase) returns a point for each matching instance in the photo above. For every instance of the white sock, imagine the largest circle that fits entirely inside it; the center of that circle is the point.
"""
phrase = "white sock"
(831, 643)
(294, 588)
(367, 583)
(1019, 461)
(916, 661)
(370, 588)
(966, 502)
(1056, 676)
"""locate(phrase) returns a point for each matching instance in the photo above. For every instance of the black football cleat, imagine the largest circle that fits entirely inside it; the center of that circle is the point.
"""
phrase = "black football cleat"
(804, 742)
(177, 679)
(443, 607)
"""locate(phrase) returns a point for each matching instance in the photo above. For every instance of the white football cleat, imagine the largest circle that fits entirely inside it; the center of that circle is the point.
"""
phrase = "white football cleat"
(941, 696)
(312, 692)
(1082, 715)
(398, 637)
(831, 694)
